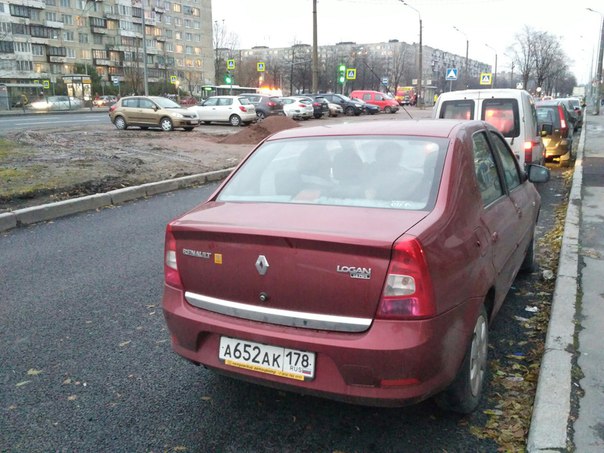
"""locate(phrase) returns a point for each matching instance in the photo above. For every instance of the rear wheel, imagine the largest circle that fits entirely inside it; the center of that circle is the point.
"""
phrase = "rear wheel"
(166, 124)
(235, 120)
(349, 111)
(463, 395)
(260, 115)
(120, 123)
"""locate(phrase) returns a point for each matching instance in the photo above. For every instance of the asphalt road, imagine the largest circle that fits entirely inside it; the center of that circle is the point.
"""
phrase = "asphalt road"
(86, 364)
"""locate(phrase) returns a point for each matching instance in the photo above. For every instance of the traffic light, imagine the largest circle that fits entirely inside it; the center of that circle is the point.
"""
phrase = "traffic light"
(342, 76)
(228, 78)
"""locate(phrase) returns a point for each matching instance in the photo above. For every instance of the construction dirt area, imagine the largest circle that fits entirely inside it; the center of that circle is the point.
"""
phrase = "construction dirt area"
(38, 167)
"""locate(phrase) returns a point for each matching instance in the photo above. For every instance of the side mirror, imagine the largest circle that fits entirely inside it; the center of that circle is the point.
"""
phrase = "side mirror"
(538, 173)
(547, 129)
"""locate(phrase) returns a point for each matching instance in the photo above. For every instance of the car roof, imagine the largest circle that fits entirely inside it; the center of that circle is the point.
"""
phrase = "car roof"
(427, 127)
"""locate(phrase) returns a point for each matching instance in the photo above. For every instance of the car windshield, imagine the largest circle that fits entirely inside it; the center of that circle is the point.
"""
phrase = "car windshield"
(166, 103)
(365, 171)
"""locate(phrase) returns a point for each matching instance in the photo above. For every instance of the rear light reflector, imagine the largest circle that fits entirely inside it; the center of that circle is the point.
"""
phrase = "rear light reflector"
(399, 382)
(171, 274)
(407, 293)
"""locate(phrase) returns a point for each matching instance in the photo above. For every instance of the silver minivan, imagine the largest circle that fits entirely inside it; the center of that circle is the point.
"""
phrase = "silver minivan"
(509, 110)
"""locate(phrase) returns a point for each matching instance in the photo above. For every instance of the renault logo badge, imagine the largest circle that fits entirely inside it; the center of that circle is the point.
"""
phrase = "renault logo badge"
(262, 265)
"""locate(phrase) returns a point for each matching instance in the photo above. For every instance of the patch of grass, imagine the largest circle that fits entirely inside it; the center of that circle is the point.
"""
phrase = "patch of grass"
(9, 148)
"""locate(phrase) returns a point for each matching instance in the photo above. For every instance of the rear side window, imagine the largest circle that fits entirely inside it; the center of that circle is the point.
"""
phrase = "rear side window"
(132, 103)
(503, 114)
(485, 167)
(457, 110)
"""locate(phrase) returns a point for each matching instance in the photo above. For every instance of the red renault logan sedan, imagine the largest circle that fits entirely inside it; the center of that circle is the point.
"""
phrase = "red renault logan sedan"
(359, 262)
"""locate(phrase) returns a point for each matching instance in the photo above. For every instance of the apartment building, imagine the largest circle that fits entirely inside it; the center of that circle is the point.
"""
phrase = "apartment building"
(47, 39)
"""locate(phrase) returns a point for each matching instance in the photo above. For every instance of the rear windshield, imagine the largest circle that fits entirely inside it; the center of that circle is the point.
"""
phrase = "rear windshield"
(503, 114)
(462, 109)
(548, 114)
(368, 171)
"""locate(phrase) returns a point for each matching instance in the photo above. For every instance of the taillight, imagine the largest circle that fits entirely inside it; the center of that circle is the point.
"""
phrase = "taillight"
(407, 293)
(171, 275)
(563, 126)
(242, 108)
(112, 108)
(302, 105)
(271, 104)
(528, 152)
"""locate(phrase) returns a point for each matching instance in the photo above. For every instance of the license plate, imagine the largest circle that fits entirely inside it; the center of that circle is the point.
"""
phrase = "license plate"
(275, 360)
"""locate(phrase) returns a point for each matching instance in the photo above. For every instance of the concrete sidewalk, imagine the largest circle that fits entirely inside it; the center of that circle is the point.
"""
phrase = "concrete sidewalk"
(568, 413)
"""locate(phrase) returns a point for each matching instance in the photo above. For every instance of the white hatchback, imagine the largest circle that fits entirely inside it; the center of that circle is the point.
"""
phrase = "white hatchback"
(297, 108)
(235, 110)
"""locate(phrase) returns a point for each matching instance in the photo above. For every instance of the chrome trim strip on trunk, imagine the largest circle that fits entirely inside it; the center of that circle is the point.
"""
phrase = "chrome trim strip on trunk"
(278, 316)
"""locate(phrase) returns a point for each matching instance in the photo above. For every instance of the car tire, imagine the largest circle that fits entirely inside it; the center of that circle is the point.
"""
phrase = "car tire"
(464, 393)
(120, 123)
(188, 129)
(387, 109)
(318, 116)
(235, 120)
(260, 115)
(349, 111)
(166, 124)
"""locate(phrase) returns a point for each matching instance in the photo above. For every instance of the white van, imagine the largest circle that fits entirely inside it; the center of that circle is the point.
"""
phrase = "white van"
(509, 110)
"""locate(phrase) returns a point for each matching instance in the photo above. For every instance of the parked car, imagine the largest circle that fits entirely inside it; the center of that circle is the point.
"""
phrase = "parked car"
(335, 109)
(555, 123)
(57, 103)
(574, 116)
(188, 101)
(319, 104)
(297, 109)
(575, 104)
(235, 110)
(384, 101)
(355, 261)
(266, 105)
(104, 101)
(350, 106)
(511, 111)
(369, 109)
(151, 111)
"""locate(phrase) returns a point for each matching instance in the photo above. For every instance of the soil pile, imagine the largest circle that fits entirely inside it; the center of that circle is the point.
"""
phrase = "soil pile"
(259, 131)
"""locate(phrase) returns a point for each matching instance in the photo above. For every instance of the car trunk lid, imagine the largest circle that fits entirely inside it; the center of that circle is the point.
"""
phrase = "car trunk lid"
(288, 264)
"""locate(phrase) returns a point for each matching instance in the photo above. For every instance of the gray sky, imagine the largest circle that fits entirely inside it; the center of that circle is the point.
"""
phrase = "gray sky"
(281, 23)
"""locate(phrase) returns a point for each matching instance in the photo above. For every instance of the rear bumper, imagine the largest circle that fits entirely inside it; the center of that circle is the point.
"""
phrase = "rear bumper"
(393, 363)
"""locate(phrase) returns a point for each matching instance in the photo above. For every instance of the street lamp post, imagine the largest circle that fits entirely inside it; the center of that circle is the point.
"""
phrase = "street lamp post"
(315, 54)
(495, 71)
(420, 98)
(600, 57)
(465, 75)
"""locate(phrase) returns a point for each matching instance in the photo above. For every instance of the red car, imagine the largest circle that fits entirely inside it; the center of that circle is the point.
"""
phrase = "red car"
(361, 262)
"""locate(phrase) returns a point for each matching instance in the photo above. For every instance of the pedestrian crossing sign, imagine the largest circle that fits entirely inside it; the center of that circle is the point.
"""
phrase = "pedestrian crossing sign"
(451, 74)
(485, 78)
(230, 64)
(173, 79)
(351, 73)
(260, 66)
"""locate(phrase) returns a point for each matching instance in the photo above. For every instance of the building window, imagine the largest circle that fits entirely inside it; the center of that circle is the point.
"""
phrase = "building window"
(83, 38)
(50, 2)
(37, 50)
(97, 39)
(22, 47)
(67, 19)
(19, 10)
(51, 15)
(176, 7)
(66, 3)
(178, 35)
(68, 36)
(34, 14)
(7, 47)
(71, 53)
(24, 65)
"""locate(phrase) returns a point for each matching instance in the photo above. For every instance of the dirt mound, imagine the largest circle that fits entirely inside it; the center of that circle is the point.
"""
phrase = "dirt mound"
(259, 131)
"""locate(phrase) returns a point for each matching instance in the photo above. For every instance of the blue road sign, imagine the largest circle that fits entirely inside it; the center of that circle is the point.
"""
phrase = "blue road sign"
(451, 74)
